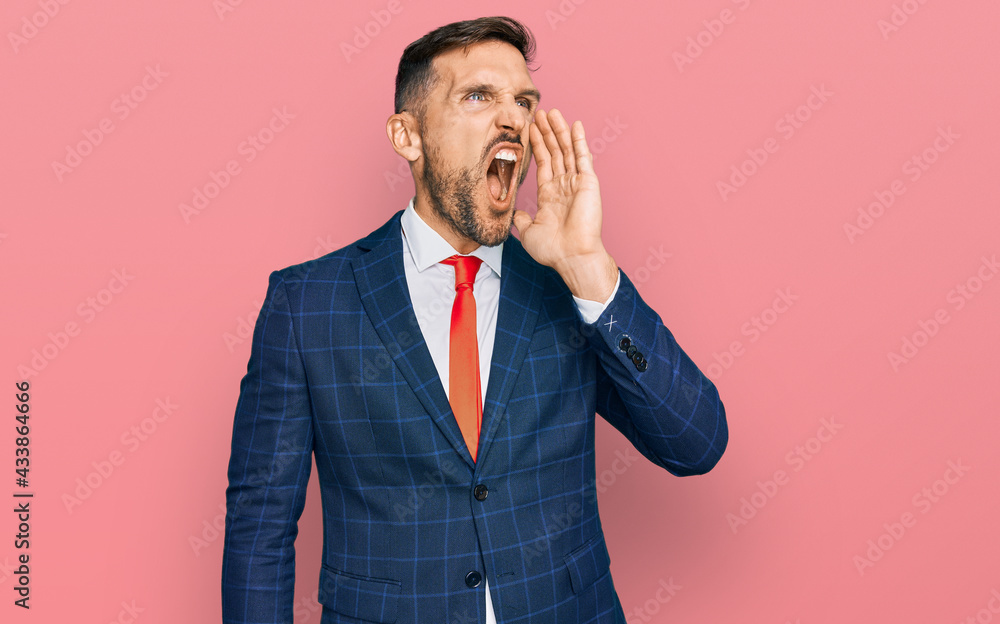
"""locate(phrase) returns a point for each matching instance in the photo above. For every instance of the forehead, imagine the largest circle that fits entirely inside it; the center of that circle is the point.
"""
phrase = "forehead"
(488, 62)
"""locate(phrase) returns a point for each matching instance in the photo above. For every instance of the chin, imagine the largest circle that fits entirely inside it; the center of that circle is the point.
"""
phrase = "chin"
(495, 230)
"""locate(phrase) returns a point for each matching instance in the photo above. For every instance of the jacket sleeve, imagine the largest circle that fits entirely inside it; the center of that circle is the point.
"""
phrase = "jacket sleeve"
(268, 471)
(652, 392)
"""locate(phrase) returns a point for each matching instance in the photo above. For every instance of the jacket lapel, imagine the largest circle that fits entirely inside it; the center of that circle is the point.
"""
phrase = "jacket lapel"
(520, 301)
(382, 284)
(384, 294)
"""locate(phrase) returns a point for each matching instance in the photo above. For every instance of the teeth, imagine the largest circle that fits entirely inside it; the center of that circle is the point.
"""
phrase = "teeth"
(506, 154)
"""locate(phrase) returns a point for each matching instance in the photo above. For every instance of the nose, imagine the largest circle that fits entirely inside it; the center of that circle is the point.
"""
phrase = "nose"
(510, 116)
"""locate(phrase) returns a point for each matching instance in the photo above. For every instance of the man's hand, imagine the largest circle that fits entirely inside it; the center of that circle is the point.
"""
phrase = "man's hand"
(566, 231)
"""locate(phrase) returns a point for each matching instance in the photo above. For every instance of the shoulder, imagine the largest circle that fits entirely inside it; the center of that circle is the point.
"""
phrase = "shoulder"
(331, 268)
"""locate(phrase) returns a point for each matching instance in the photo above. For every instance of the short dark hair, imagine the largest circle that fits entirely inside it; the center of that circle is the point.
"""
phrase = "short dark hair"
(415, 76)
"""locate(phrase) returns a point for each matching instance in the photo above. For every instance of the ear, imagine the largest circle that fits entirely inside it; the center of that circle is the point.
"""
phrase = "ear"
(403, 131)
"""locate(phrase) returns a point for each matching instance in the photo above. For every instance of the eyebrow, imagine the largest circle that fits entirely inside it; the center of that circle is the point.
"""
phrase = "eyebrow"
(489, 88)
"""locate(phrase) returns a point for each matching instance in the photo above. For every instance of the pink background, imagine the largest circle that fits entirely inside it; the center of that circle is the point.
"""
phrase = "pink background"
(666, 132)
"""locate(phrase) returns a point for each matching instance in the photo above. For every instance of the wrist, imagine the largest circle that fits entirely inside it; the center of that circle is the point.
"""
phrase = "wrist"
(591, 276)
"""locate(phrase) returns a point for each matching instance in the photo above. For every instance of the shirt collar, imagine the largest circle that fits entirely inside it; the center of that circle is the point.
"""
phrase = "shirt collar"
(427, 247)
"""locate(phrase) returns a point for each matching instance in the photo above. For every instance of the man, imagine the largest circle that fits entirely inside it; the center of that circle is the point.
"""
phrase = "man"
(447, 377)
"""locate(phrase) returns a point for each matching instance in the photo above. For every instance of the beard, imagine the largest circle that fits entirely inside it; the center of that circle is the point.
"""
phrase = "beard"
(454, 194)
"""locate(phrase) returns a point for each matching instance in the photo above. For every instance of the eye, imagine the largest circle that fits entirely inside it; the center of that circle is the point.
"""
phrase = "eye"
(475, 95)
(525, 102)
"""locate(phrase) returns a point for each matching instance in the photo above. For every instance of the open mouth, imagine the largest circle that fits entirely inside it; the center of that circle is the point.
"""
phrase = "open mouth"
(500, 174)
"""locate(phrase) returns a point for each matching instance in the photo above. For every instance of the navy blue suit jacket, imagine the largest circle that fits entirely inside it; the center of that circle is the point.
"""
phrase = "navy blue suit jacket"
(338, 368)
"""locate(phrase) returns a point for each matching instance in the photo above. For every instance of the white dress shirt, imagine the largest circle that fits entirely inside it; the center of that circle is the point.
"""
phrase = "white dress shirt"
(432, 293)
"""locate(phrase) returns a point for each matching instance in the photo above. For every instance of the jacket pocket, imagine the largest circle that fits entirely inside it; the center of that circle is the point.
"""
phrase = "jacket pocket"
(588, 563)
(362, 597)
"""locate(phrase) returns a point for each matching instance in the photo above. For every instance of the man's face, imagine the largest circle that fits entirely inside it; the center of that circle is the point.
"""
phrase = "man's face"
(475, 139)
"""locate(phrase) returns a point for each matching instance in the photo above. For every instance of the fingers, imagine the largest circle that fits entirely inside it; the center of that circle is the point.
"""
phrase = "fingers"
(557, 147)
(543, 162)
(522, 221)
(564, 141)
(584, 159)
(542, 120)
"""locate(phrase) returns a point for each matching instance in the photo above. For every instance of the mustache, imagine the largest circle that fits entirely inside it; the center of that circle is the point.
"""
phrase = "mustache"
(503, 137)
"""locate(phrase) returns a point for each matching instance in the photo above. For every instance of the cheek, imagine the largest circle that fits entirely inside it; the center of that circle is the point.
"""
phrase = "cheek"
(458, 149)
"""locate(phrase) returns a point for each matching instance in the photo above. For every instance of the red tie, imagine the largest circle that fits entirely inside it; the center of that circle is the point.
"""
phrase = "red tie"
(464, 385)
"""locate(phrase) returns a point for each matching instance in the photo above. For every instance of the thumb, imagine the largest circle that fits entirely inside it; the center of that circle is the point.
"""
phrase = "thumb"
(522, 221)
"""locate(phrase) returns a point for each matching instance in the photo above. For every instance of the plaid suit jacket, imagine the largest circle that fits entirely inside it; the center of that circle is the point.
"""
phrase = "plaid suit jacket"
(338, 368)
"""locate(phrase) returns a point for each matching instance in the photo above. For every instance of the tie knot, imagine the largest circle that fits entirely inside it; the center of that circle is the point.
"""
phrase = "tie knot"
(466, 268)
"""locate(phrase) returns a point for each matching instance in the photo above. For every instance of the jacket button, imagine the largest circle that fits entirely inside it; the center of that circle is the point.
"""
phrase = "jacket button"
(641, 365)
(637, 357)
(473, 579)
(631, 351)
(624, 343)
(480, 492)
